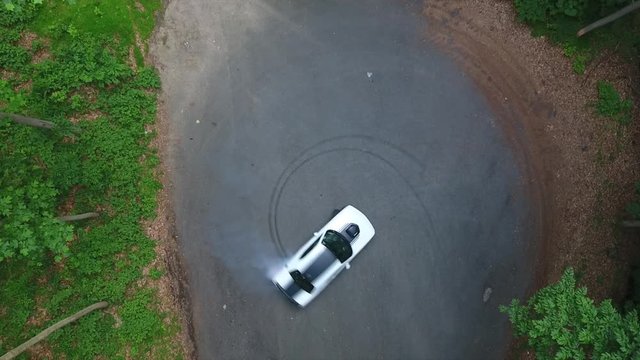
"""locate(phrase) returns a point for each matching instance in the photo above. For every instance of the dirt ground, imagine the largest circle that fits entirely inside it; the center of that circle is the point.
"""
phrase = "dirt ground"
(579, 167)
(172, 286)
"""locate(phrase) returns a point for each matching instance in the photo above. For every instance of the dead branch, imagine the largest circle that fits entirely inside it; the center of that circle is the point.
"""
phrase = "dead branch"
(88, 215)
(29, 121)
(631, 224)
(46, 332)
(607, 19)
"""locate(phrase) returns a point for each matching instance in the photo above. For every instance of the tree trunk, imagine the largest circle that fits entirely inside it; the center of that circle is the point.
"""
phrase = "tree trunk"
(88, 215)
(607, 19)
(43, 335)
(631, 224)
(29, 121)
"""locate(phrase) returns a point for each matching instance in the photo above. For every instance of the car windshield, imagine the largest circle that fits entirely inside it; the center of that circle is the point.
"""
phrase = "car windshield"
(337, 244)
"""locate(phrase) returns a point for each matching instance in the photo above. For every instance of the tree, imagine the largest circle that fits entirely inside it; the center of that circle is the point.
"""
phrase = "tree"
(561, 322)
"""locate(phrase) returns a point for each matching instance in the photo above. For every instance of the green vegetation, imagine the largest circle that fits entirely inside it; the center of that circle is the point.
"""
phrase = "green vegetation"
(610, 104)
(560, 20)
(561, 322)
(97, 158)
(118, 19)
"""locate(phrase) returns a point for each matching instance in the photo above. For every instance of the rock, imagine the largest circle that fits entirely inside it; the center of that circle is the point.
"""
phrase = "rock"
(487, 294)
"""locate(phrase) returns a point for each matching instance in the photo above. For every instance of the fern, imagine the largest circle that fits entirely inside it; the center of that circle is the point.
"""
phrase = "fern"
(561, 322)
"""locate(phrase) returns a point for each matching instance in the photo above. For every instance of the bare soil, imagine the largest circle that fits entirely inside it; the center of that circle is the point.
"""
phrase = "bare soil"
(579, 167)
(172, 285)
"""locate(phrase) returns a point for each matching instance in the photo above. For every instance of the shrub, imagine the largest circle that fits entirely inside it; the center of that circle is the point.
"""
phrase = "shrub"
(561, 322)
(559, 20)
(13, 57)
(611, 105)
(28, 226)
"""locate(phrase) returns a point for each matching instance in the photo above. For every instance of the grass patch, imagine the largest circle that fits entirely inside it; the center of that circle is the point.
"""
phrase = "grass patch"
(112, 19)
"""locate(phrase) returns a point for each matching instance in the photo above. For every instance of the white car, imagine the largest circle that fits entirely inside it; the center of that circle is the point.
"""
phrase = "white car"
(324, 256)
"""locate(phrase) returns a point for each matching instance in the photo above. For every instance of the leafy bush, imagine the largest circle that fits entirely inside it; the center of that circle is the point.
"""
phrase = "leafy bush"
(559, 20)
(28, 226)
(611, 105)
(13, 57)
(533, 11)
(562, 322)
(578, 58)
(140, 324)
(551, 10)
(84, 62)
(16, 13)
(546, 10)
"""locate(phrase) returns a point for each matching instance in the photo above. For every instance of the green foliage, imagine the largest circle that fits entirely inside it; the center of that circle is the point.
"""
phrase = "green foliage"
(551, 10)
(103, 163)
(17, 12)
(546, 10)
(634, 293)
(113, 20)
(579, 58)
(28, 226)
(561, 322)
(533, 11)
(140, 323)
(16, 6)
(611, 105)
(90, 338)
(155, 273)
(14, 101)
(13, 57)
(559, 20)
(84, 62)
(19, 296)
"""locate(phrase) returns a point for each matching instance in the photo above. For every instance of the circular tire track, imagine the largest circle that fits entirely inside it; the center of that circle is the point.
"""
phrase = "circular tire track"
(405, 165)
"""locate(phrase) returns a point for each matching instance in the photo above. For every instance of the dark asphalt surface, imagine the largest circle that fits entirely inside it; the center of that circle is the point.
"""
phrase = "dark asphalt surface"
(282, 111)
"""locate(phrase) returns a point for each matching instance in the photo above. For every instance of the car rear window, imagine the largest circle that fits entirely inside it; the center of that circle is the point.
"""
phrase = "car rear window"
(338, 245)
(301, 281)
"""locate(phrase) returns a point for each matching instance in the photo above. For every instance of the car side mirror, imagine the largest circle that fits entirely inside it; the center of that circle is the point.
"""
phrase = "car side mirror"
(347, 266)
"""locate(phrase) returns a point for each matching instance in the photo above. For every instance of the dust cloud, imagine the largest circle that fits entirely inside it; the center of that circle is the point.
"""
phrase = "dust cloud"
(251, 258)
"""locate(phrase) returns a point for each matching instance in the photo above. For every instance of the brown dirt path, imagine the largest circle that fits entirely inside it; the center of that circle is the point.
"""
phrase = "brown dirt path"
(579, 167)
